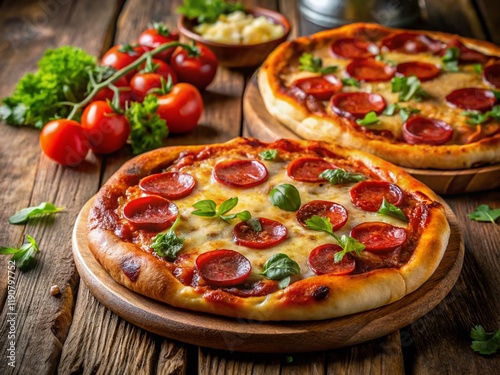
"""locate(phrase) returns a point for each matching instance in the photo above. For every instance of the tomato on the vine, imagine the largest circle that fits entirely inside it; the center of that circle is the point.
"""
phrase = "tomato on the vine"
(107, 94)
(197, 65)
(107, 130)
(64, 141)
(120, 56)
(142, 83)
(157, 35)
(159, 67)
(181, 108)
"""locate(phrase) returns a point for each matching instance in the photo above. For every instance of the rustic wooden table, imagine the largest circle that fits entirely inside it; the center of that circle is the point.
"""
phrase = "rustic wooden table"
(73, 333)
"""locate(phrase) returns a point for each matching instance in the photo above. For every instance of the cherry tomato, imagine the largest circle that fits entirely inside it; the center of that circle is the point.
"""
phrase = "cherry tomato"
(142, 83)
(107, 94)
(198, 70)
(156, 36)
(122, 55)
(64, 141)
(181, 108)
(107, 131)
(161, 68)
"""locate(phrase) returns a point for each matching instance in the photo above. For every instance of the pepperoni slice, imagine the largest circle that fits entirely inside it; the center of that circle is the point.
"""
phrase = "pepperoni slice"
(308, 169)
(322, 88)
(352, 48)
(411, 42)
(170, 185)
(152, 213)
(491, 75)
(370, 70)
(357, 104)
(468, 55)
(334, 212)
(240, 173)
(223, 267)
(472, 99)
(423, 130)
(423, 71)
(378, 236)
(368, 195)
(272, 233)
(321, 261)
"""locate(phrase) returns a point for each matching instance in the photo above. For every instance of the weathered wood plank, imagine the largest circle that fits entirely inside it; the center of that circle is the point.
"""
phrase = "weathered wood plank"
(490, 14)
(43, 320)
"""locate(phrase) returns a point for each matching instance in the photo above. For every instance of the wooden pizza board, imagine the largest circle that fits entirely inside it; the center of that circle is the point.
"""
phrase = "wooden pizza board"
(262, 125)
(266, 337)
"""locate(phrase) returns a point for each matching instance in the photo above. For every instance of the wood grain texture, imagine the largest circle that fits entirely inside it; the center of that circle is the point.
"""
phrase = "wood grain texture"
(43, 320)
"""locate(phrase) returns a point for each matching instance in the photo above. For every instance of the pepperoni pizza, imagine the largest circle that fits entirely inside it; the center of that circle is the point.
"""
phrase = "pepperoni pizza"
(415, 98)
(289, 230)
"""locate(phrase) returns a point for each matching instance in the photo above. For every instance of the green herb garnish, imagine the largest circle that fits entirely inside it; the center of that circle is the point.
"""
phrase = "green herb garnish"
(286, 197)
(280, 266)
(167, 244)
(483, 342)
(408, 88)
(25, 255)
(313, 64)
(370, 118)
(389, 209)
(341, 176)
(347, 243)
(476, 117)
(351, 82)
(268, 154)
(208, 11)
(450, 59)
(484, 212)
(208, 208)
(404, 112)
(478, 68)
(25, 214)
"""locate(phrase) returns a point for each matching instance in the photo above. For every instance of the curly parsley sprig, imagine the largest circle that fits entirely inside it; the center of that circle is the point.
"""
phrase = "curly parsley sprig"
(168, 244)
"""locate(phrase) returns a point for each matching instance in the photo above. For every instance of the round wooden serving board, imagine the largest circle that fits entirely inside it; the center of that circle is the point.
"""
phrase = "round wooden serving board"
(265, 337)
(262, 125)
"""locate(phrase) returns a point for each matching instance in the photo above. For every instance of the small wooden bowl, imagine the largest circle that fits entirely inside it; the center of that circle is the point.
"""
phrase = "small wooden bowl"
(239, 55)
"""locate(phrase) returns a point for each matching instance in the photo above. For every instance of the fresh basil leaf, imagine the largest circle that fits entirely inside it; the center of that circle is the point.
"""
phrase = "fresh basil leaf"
(476, 117)
(313, 64)
(254, 223)
(408, 88)
(478, 68)
(391, 109)
(268, 154)
(484, 212)
(351, 82)
(25, 214)
(286, 197)
(451, 54)
(451, 66)
(227, 205)
(25, 255)
(280, 266)
(285, 282)
(341, 176)
(389, 209)
(370, 118)
(406, 112)
(205, 208)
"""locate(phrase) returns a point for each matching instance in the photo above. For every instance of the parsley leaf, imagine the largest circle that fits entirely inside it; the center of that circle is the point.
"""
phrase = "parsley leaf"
(25, 214)
(476, 117)
(168, 244)
(370, 118)
(404, 112)
(483, 342)
(450, 59)
(208, 208)
(389, 209)
(280, 266)
(483, 212)
(207, 11)
(351, 82)
(25, 255)
(147, 129)
(286, 197)
(341, 176)
(478, 68)
(268, 154)
(347, 243)
(313, 64)
(408, 88)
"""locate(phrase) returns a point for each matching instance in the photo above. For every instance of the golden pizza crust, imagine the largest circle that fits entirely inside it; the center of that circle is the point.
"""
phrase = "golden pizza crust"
(333, 128)
(318, 297)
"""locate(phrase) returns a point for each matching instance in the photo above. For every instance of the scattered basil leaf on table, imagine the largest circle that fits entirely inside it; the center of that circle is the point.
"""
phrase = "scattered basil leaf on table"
(25, 214)
(286, 197)
(483, 342)
(25, 255)
(389, 209)
(484, 212)
(341, 176)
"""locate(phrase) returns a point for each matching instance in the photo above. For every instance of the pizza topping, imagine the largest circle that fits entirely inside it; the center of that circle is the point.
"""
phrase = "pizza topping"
(370, 70)
(152, 213)
(408, 88)
(286, 197)
(322, 87)
(476, 117)
(379, 236)
(313, 64)
(168, 244)
(467, 55)
(353, 48)
(321, 261)
(353, 82)
(308, 169)
(368, 195)
(471, 98)
(280, 267)
(170, 185)
(269, 155)
(389, 209)
(357, 104)
(450, 59)
(404, 112)
(207, 208)
(423, 71)
(334, 212)
(340, 176)
(223, 267)
(491, 75)
(424, 130)
(371, 118)
(240, 173)
(270, 234)
(411, 42)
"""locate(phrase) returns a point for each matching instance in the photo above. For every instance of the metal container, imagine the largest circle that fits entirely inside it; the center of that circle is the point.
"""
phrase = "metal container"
(325, 14)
